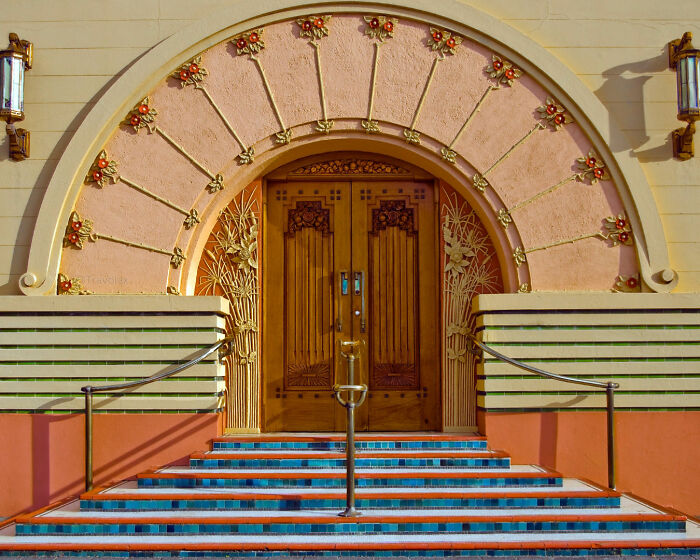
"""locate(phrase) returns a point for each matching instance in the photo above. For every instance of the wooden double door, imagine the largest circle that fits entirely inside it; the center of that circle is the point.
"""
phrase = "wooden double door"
(351, 260)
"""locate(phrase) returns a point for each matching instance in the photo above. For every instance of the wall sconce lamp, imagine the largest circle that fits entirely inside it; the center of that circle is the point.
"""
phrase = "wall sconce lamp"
(685, 60)
(13, 62)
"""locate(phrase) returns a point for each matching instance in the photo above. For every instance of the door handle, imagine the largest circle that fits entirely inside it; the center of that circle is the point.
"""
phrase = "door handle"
(360, 291)
(343, 289)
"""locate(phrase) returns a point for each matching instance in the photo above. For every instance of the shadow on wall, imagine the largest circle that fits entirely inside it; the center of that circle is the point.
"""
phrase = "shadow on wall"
(626, 82)
(124, 444)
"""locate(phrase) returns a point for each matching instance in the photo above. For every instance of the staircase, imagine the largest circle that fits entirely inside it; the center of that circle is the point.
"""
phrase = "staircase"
(419, 494)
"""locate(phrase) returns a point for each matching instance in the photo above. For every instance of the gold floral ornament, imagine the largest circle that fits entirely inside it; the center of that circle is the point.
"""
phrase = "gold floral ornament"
(70, 286)
(177, 258)
(101, 170)
(250, 42)
(458, 254)
(243, 251)
(380, 27)
(519, 256)
(619, 230)
(314, 27)
(142, 116)
(503, 71)
(172, 291)
(78, 231)
(524, 288)
(443, 41)
(554, 114)
(627, 284)
(191, 73)
(593, 168)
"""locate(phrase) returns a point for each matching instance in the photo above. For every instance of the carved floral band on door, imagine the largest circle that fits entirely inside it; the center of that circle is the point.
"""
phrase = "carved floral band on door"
(470, 267)
(229, 268)
(308, 265)
(393, 297)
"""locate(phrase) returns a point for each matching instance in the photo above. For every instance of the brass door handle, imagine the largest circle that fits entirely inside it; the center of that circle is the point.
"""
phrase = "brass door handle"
(359, 289)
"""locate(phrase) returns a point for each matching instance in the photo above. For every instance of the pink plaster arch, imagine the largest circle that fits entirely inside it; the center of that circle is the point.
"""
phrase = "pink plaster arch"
(236, 84)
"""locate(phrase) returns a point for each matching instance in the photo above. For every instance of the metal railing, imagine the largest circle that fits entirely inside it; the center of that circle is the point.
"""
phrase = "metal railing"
(350, 405)
(608, 387)
(90, 390)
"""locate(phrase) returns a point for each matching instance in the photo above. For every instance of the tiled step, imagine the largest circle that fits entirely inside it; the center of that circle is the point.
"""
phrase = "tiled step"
(293, 501)
(320, 478)
(337, 442)
(375, 459)
(332, 546)
(318, 523)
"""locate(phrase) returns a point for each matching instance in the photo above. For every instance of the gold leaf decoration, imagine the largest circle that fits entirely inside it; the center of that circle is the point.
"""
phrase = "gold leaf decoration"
(504, 217)
(380, 27)
(216, 184)
(191, 73)
(371, 126)
(554, 114)
(314, 27)
(70, 286)
(101, 170)
(177, 258)
(524, 288)
(192, 219)
(592, 168)
(142, 116)
(480, 183)
(448, 155)
(412, 136)
(443, 41)
(246, 156)
(350, 167)
(250, 42)
(324, 126)
(628, 284)
(503, 71)
(172, 291)
(519, 256)
(619, 231)
(78, 231)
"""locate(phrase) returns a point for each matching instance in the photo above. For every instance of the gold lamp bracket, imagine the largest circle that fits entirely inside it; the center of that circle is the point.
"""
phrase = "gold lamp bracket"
(19, 142)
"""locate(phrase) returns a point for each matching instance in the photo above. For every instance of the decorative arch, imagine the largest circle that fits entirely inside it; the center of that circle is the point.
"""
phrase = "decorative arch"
(453, 91)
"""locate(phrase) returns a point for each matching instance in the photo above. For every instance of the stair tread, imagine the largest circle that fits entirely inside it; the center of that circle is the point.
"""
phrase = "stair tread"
(349, 541)
(361, 472)
(360, 453)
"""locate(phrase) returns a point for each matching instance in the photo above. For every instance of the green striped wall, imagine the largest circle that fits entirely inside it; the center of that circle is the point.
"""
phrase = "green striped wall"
(648, 343)
(52, 346)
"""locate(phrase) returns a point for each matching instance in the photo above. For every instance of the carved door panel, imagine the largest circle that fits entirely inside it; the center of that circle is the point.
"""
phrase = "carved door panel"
(350, 261)
(394, 241)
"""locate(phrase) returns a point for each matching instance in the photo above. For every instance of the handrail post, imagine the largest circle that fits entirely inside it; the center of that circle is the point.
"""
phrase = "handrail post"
(610, 397)
(350, 510)
(88, 438)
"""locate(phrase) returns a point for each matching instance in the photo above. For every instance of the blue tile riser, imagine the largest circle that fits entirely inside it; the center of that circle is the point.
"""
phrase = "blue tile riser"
(548, 552)
(193, 528)
(373, 463)
(297, 504)
(340, 445)
(544, 482)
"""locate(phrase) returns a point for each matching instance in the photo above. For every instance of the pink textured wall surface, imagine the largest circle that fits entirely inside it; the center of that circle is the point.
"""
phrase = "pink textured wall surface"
(347, 55)
(42, 457)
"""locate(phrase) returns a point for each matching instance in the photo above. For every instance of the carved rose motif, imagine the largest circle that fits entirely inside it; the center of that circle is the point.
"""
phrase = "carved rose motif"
(250, 42)
(619, 230)
(314, 27)
(101, 170)
(142, 116)
(627, 284)
(78, 231)
(592, 168)
(443, 41)
(191, 73)
(503, 71)
(554, 114)
(70, 286)
(380, 27)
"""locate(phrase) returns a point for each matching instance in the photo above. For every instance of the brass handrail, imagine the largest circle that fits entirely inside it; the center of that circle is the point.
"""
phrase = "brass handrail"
(609, 388)
(89, 390)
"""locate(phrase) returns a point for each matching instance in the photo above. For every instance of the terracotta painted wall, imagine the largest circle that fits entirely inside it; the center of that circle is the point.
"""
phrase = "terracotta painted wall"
(42, 458)
(657, 452)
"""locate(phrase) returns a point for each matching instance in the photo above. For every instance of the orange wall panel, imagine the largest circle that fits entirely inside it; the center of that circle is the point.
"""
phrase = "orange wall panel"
(657, 453)
(42, 455)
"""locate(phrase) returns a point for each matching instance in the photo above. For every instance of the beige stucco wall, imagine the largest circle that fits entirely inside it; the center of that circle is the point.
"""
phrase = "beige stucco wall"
(82, 46)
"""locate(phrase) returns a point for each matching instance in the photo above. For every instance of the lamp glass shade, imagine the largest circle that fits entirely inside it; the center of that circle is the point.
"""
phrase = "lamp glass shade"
(12, 86)
(688, 78)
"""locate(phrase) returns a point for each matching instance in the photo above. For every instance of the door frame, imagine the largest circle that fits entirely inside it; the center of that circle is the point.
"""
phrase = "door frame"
(301, 170)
